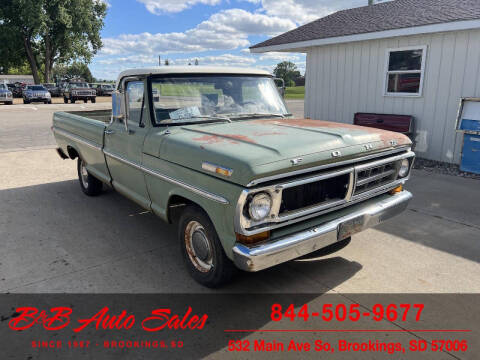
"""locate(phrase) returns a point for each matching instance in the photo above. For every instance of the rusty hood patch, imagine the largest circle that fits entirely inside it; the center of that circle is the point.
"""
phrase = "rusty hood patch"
(256, 148)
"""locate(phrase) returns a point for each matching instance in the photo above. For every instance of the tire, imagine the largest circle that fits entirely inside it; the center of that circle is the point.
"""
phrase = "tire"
(9, 102)
(45, 102)
(26, 101)
(49, 101)
(330, 249)
(65, 100)
(208, 265)
(94, 100)
(90, 185)
(72, 100)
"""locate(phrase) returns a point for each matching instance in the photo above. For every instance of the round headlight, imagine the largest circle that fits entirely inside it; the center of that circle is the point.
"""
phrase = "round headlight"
(404, 167)
(260, 206)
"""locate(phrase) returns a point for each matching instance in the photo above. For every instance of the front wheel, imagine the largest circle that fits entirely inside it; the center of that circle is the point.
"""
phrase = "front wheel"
(94, 100)
(65, 100)
(72, 100)
(90, 185)
(201, 249)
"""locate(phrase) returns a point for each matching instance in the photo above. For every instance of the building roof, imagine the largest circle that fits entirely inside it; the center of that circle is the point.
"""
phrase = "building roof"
(192, 70)
(13, 77)
(391, 15)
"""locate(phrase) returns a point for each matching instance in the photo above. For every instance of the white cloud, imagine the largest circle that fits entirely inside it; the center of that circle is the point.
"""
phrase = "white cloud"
(279, 56)
(158, 7)
(131, 59)
(221, 60)
(303, 11)
(225, 30)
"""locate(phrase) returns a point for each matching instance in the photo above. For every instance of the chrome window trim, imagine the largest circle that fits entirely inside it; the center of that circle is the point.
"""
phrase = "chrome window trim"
(203, 193)
(327, 166)
(274, 220)
(80, 139)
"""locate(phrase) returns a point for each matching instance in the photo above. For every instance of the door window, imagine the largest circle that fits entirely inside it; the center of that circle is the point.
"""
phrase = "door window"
(135, 101)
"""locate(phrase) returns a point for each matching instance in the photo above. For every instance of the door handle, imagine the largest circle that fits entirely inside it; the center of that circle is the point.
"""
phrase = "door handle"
(108, 132)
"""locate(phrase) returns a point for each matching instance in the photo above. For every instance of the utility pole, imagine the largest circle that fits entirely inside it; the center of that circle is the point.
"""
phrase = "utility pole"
(159, 61)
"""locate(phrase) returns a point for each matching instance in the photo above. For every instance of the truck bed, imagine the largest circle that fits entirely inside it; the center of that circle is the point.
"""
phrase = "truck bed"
(101, 115)
(81, 133)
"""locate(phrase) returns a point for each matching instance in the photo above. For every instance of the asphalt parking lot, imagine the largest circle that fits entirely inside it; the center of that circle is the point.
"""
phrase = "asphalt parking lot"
(55, 239)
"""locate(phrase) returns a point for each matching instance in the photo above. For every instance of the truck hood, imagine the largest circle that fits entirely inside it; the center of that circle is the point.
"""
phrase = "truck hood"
(257, 148)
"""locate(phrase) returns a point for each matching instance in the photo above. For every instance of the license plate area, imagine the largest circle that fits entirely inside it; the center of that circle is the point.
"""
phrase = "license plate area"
(350, 227)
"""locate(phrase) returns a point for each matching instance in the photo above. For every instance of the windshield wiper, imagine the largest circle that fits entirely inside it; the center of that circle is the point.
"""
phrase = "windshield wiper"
(260, 115)
(209, 117)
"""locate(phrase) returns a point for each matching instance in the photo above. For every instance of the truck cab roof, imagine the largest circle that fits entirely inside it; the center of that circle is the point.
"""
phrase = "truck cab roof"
(191, 70)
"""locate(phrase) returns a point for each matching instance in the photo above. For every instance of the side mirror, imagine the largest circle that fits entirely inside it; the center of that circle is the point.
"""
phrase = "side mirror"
(117, 105)
(119, 109)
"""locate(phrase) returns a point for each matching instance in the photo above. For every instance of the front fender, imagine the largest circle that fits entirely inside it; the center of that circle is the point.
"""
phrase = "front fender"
(167, 180)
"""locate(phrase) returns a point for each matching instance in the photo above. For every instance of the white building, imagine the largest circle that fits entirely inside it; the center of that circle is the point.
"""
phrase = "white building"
(409, 57)
(11, 79)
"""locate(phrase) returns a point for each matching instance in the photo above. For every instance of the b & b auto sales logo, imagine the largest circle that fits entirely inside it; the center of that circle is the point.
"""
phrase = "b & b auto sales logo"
(59, 318)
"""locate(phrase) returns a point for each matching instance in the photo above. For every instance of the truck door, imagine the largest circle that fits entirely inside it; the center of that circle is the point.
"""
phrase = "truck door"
(124, 148)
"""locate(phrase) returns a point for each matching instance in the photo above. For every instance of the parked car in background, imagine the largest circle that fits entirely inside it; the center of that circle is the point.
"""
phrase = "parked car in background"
(36, 93)
(53, 89)
(103, 89)
(6, 96)
(79, 91)
(18, 90)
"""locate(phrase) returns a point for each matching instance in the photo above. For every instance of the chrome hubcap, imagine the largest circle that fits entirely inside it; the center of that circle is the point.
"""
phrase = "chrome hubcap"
(84, 174)
(198, 246)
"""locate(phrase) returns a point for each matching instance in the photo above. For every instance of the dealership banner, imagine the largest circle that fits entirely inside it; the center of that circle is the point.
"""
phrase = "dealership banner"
(222, 326)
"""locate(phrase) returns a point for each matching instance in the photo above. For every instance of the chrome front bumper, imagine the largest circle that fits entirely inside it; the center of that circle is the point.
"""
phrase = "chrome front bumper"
(255, 258)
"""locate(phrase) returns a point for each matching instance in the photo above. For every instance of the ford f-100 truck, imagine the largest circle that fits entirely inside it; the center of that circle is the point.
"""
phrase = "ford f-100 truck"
(215, 151)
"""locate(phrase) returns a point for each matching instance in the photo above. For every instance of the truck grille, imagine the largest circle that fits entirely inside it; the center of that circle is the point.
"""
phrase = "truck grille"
(372, 177)
(83, 93)
(314, 193)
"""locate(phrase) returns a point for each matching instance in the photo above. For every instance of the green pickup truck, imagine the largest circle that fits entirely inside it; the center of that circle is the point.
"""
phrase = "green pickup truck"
(215, 151)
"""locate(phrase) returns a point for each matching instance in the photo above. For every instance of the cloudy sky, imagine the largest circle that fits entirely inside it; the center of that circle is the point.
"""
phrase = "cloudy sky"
(216, 32)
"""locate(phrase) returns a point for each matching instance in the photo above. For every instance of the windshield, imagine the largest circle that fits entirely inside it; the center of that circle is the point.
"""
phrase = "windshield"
(79, 85)
(36, 87)
(203, 98)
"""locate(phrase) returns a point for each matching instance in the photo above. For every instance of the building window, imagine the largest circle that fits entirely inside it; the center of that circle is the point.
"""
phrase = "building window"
(404, 71)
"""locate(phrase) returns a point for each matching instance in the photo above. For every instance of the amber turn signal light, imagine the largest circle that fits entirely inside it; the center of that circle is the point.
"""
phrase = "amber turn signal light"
(398, 189)
(252, 239)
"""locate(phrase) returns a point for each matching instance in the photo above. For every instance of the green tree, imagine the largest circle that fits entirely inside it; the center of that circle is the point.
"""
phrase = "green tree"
(53, 31)
(74, 70)
(286, 70)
